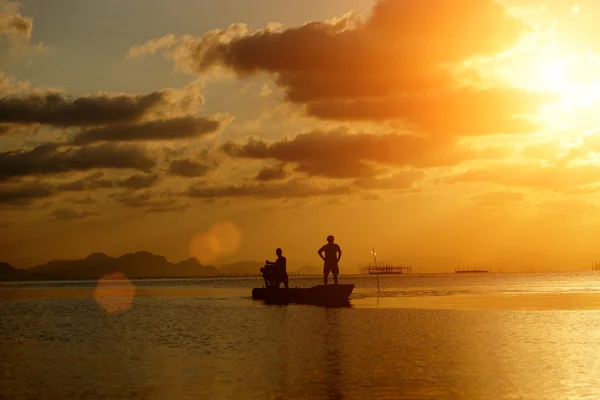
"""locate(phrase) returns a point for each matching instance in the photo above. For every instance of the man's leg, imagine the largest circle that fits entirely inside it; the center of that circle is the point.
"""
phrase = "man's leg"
(335, 270)
(325, 276)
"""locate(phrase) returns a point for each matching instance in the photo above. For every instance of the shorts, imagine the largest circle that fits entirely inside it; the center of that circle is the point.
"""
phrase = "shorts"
(331, 266)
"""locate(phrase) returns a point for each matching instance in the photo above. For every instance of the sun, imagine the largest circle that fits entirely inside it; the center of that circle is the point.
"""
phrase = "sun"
(554, 74)
(575, 81)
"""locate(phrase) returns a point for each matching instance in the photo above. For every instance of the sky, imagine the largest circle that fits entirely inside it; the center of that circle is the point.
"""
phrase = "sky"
(444, 133)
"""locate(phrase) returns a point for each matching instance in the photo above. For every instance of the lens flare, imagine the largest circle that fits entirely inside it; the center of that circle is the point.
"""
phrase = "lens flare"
(115, 293)
(222, 239)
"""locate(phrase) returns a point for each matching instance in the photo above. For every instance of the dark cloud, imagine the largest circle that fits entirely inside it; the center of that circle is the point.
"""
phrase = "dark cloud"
(147, 198)
(54, 159)
(339, 169)
(138, 181)
(290, 189)
(340, 154)
(399, 36)
(455, 112)
(98, 181)
(395, 65)
(24, 194)
(67, 213)
(189, 169)
(91, 182)
(272, 173)
(178, 128)
(59, 110)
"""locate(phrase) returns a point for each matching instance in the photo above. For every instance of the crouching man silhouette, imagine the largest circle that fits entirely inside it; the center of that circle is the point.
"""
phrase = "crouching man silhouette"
(278, 269)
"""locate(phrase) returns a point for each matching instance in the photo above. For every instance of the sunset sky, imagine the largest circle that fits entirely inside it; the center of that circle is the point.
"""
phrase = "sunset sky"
(223, 129)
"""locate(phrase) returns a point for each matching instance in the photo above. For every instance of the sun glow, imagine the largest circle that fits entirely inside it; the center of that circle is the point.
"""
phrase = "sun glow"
(554, 74)
(576, 81)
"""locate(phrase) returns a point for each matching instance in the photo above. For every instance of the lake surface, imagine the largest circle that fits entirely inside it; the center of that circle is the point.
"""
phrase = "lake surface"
(446, 336)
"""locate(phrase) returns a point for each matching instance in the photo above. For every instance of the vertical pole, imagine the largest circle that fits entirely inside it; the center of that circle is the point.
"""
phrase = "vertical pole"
(376, 270)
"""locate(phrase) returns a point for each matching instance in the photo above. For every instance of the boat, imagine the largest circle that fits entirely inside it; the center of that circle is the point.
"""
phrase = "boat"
(334, 295)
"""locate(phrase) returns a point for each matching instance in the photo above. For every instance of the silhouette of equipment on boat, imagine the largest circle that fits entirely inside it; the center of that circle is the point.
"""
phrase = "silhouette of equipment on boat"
(275, 273)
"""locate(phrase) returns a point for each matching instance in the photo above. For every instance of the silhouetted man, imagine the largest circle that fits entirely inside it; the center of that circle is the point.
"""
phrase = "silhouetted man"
(333, 253)
(280, 266)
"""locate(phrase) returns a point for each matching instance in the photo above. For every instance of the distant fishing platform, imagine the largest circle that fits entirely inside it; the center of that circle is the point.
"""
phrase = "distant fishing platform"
(471, 271)
(385, 269)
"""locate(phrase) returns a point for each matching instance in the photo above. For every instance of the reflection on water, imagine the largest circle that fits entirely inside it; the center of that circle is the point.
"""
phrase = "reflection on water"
(437, 337)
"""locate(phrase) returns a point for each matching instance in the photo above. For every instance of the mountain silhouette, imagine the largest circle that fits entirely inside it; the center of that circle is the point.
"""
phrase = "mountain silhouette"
(141, 264)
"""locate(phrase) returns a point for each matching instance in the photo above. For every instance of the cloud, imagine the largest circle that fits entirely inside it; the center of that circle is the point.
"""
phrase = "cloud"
(397, 181)
(339, 170)
(560, 179)
(154, 201)
(291, 189)
(341, 154)
(59, 110)
(67, 213)
(399, 63)
(189, 169)
(138, 181)
(51, 159)
(24, 194)
(13, 24)
(450, 112)
(168, 208)
(179, 128)
(98, 181)
(9, 85)
(91, 182)
(272, 173)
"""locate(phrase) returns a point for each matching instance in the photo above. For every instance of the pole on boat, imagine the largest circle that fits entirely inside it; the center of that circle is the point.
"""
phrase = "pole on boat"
(376, 270)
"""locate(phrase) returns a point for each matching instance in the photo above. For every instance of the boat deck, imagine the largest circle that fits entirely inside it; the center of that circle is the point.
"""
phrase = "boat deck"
(328, 295)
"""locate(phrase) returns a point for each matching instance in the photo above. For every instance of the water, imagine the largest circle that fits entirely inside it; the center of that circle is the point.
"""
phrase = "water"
(488, 336)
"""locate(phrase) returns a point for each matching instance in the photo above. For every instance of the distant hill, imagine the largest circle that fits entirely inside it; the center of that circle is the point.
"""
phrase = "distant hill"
(242, 268)
(134, 265)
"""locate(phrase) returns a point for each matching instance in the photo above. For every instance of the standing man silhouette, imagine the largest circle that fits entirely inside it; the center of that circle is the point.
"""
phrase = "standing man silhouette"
(331, 259)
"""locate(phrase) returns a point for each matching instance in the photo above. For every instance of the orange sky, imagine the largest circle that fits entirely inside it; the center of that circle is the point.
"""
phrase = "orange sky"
(444, 133)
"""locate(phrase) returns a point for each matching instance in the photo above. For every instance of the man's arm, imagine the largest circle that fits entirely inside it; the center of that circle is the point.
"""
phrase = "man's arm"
(320, 251)
(340, 253)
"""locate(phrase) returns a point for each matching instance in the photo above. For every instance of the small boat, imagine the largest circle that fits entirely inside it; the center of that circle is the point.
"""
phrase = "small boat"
(326, 295)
